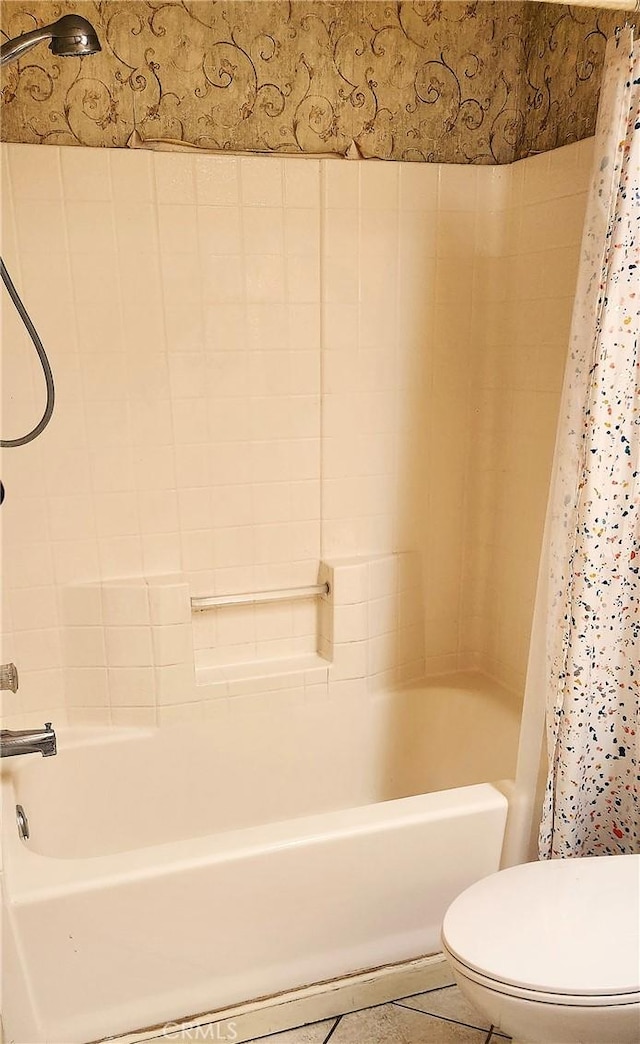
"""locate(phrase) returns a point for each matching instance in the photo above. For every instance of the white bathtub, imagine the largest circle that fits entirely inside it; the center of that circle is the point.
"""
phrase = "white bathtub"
(187, 869)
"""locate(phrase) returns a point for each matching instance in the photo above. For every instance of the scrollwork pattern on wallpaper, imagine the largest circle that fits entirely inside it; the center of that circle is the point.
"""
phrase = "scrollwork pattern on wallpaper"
(481, 82)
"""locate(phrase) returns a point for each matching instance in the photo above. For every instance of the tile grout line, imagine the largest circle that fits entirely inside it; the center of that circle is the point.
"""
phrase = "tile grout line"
(322, 326)
(445, 1018)
(294, 1029)
(333, 1029)
(424, 993)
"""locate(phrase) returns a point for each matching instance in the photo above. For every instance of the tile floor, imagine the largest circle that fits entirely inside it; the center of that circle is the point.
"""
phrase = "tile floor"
(440, 1016)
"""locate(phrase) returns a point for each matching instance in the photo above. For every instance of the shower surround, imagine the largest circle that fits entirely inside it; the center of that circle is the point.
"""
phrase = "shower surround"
(275, 362)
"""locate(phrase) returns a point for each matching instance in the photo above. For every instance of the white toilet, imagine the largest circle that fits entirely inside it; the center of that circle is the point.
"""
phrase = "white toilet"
(550, 951)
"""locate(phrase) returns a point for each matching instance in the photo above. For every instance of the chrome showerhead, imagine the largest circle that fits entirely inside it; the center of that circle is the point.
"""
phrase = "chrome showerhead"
(71, 35)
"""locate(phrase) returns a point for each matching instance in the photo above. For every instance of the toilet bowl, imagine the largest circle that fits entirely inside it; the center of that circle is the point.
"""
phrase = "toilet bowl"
(550, 951)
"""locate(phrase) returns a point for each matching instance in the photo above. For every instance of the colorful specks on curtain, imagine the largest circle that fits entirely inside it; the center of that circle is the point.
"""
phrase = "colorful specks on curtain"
(593, 527)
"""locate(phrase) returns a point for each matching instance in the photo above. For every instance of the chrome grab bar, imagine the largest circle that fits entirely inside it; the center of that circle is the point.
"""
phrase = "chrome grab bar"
(287, 594)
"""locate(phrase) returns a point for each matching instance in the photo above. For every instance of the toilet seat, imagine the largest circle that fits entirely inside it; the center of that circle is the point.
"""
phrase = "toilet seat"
(564, 932)
(593, 1000)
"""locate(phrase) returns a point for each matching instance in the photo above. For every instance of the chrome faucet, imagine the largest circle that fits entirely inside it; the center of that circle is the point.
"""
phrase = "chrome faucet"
(28, 741)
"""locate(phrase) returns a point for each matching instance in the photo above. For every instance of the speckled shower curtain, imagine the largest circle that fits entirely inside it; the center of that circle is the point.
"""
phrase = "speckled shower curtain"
(593, 526)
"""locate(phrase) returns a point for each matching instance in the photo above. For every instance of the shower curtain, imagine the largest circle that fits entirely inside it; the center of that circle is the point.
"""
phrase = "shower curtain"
(592, 536)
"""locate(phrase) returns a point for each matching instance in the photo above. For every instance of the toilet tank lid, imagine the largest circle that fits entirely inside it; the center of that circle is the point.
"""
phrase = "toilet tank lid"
(568, 926)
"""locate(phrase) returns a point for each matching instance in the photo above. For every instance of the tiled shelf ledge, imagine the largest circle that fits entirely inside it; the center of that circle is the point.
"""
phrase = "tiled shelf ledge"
(242, 679)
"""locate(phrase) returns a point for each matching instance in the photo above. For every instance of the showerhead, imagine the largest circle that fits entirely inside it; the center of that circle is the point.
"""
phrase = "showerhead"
(70, 35)
(73, 35)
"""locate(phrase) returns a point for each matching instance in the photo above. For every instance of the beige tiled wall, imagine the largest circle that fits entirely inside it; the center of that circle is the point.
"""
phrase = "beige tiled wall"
(446, 307)
(178, 298)
(266, 363)
(523, 300)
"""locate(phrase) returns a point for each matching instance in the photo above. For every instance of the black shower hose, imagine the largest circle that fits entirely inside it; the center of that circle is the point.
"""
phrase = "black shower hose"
(42, 355)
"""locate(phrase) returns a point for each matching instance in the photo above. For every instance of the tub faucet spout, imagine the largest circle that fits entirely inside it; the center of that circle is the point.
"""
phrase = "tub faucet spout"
(28, 741)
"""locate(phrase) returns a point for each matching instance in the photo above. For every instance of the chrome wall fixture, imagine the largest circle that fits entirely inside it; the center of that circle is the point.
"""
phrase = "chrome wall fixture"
(9, 677)
(285, 594)
(70, 36)
(23, 823)
(28, 741)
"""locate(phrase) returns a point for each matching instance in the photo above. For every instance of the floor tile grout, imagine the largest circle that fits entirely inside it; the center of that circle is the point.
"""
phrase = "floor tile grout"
(493, 1036)
(445, 1018)
(424, 993)
(332, 1030)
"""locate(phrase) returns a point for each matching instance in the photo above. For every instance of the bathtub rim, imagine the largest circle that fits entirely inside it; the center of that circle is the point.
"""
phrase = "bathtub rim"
(32, 876)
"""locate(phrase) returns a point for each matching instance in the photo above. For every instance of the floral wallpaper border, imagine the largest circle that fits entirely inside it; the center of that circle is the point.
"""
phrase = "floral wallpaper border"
(454, 82)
